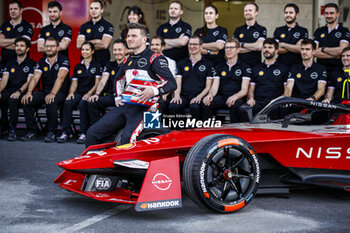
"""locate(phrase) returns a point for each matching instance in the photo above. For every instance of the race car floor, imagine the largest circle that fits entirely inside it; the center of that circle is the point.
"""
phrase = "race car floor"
(31, 202)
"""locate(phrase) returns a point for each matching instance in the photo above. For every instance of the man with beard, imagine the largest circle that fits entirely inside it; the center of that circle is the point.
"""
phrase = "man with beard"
(331, 39)
(251, 35)
(307, 80)
(290, 36)
(268, 78)
(339, 82)
(14, 82)
(176, 33)
(98, 31)
(12, 29)
(56, 29)
(147, 76)
(53, 73)
(106, 89)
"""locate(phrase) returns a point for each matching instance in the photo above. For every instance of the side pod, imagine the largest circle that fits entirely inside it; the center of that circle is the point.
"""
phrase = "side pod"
(161, 188)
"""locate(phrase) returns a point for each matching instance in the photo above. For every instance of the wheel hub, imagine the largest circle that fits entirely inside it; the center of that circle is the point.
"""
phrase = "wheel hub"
(228, 174)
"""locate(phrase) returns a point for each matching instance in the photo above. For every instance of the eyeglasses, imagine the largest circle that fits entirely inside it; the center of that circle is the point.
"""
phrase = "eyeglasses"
(230, 47)
(193, 44)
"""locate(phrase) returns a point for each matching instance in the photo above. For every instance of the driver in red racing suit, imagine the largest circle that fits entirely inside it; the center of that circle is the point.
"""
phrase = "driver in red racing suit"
(147, 76)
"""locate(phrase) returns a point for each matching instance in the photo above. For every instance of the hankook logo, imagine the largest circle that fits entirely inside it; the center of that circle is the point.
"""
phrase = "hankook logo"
(161, 181)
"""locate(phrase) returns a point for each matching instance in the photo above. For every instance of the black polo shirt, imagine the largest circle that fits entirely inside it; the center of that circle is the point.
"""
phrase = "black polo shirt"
(168, 31)
(18, 72)
(97, 30)
(86, 76)
(337, 81)
(218, 34)
(291, 36)
(111, 69)
(269, 80)
(250, 34)
(231, 77)
(49, 73)
(58, 32)
(194, 78)
(306, 79)
(24, 29)
(324, 38)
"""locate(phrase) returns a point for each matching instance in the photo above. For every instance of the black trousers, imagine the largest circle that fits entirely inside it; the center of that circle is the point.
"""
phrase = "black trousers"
(195, 109)
(7, 103)
(67, 115)
(127, 116)
(219, 102)
(51, 110)
(97, 109)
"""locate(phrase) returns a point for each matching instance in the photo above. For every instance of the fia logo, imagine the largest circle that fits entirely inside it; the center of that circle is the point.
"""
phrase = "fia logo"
(151, 120)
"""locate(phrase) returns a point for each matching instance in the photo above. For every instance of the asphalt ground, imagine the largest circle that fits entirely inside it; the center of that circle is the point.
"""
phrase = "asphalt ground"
(31, 202)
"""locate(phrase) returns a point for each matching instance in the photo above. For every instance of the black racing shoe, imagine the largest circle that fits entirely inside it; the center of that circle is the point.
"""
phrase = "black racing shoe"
(12, 136)
(63, 138)
(50, 137)
(81, 139)
(30, 137)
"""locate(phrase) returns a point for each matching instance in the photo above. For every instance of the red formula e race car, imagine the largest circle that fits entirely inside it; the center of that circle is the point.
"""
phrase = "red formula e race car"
(221, 168)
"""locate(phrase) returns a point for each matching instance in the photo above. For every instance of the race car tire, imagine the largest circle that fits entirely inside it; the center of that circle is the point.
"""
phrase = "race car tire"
(221, 173)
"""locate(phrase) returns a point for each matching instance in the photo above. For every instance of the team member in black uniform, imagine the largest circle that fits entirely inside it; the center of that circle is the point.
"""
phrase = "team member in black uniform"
(135, 15)
(213, 36)
(307, 80)
(194, 78)
(290, 36)
(86, 77)
(12, 29)
(156, 79)
(251, 35)
(176, 33)
(105, 92)
(98, 31)
(56, 29)
(15, 80)
(268, 78)
(331, 39)
(53, 73)
(230, 84)
(339, 82)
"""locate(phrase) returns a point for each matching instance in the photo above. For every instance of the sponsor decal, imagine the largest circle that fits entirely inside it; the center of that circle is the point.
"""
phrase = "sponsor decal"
(125, 146)
(159, 205)
(163, 63)
(261, 73)
(88, 30)
(276, 72)
(61, 33)
(339, 79)
(20, 29)
(8, 29)
(103, 183)
(223, 73)
(283, 35)
(25, 69)
(101, 28)
(323, 35)
(178, 30)
(201, 177)
(142, 62)
(93, 70)
(298, 75)
(202, 68)
(161, 181)
(314, 75)
(296, 35)
(79, 71)
(249, 198)
(338, 34)
(165, 30)
(257, 168)
(323, 153)
(216, 33)
(187, 68)
(151, 140)
(241, 35)
(113, 72)
(238, 72)
(69, 182)
(129, 63)
(47, 34)
(46, 68)
(13, 70)
(256, 35)
(57, 66)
